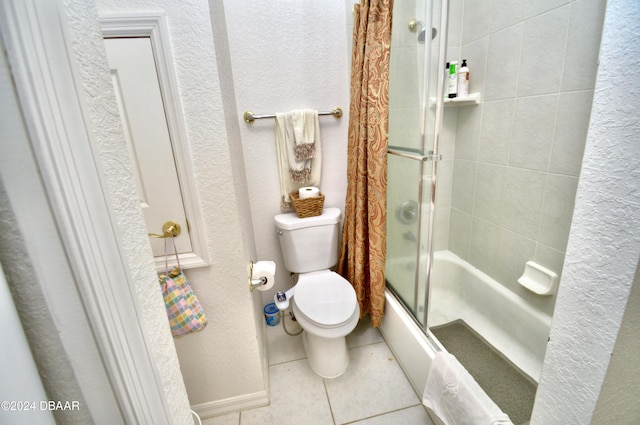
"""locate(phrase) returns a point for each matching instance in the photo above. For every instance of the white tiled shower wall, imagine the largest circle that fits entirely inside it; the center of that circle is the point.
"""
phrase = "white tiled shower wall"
(518, 154)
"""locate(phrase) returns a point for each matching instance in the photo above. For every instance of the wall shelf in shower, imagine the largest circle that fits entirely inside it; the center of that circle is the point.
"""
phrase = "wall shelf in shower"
(472, 99)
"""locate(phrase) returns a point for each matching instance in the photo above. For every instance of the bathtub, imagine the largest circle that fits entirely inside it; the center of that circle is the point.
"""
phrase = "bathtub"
(459, 291)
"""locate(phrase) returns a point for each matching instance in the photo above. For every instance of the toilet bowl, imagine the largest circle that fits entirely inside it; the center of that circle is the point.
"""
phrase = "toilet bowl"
(326, 307)
(324, 303)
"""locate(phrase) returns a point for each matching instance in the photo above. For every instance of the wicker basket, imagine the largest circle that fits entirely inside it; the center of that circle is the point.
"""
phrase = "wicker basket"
(308, 207)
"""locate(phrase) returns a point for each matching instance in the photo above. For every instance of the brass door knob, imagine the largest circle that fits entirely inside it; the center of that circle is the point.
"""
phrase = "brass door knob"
(170, 229)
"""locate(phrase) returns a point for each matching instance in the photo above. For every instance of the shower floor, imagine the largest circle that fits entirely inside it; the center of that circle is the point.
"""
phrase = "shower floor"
(504, 383)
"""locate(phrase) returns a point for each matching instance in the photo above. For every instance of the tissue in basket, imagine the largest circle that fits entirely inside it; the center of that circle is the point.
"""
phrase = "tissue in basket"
(308, 207)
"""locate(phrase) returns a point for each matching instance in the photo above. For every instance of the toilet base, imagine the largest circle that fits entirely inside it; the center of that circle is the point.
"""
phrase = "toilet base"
(328, 357)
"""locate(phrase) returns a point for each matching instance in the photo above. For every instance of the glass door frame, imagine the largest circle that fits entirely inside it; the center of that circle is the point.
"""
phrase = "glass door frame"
(435, 155)
(428, 156)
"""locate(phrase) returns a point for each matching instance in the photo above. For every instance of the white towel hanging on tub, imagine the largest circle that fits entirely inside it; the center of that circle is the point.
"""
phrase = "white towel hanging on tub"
(455, 398)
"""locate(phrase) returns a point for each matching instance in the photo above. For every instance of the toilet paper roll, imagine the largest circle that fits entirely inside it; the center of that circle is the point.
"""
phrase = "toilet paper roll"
(308, 192)
(266, 269)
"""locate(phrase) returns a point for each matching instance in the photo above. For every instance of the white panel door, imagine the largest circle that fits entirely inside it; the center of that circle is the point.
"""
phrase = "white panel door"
(142, 110)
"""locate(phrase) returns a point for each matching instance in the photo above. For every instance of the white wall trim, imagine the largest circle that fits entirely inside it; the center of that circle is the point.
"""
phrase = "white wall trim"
(232, 404)
(154, 25)
(38, 48)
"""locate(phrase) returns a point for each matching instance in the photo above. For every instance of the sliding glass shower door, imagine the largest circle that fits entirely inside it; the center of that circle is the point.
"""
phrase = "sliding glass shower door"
(415, 104)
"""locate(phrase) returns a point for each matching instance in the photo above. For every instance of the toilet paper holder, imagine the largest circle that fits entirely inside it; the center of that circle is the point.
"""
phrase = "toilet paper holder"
(255, 283)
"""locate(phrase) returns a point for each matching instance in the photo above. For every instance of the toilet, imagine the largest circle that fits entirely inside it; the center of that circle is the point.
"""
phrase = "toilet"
(324, 303)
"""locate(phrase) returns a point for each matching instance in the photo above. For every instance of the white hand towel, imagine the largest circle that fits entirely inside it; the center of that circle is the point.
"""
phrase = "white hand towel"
(455, 397)
(294, 174)
(299, 171)
(306, 131)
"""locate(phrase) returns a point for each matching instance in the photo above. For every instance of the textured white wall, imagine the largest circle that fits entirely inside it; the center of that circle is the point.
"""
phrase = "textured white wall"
(288, 55)
(224, 361)
(604, 242)
(102, 109)
(617, 402)
(284, 55)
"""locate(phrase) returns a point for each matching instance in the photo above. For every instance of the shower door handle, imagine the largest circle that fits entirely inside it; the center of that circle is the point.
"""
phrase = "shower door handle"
(433, 157)
(430, 156)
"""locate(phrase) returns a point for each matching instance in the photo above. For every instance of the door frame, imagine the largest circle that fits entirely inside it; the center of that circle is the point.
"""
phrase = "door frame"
(154, 25)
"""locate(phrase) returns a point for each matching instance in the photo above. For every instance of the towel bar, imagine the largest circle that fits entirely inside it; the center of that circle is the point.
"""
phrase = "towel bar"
(250, 117)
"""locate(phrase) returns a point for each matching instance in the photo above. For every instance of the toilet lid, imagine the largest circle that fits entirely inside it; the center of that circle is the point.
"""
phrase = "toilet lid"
(325, 298)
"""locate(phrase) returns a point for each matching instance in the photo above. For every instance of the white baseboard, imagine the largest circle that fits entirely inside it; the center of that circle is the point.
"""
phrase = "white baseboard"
(232, 404)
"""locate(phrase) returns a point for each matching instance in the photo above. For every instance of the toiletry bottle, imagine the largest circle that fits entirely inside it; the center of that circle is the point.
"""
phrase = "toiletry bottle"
(463, 79)
(446, 79)
(453, 79)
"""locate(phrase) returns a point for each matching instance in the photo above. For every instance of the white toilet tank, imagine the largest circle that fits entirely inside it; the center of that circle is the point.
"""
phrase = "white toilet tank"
(309, 244)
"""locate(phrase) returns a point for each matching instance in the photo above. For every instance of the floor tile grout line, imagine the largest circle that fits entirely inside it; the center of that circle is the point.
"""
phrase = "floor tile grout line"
(349, 348)
(288, 361)
(367, 344)
(380, 414)
(326, 393)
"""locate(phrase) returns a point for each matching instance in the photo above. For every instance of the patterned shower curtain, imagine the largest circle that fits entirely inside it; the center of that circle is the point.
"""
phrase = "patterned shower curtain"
(363, 248)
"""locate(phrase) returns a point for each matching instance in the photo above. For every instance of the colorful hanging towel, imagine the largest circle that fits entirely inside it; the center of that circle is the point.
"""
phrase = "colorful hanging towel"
(183, 308)
(184, 311)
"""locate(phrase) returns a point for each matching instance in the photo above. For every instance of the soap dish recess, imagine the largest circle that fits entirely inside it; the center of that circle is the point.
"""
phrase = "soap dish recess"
(538, 279)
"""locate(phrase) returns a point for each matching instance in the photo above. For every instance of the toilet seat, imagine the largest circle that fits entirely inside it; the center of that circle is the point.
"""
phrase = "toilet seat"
(325, 298)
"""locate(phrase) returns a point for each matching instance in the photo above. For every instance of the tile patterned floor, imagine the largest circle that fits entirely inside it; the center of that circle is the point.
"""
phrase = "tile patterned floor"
(373, 391)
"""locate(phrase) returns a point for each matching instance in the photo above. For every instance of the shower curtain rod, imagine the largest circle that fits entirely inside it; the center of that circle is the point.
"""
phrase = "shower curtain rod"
(250, 117)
